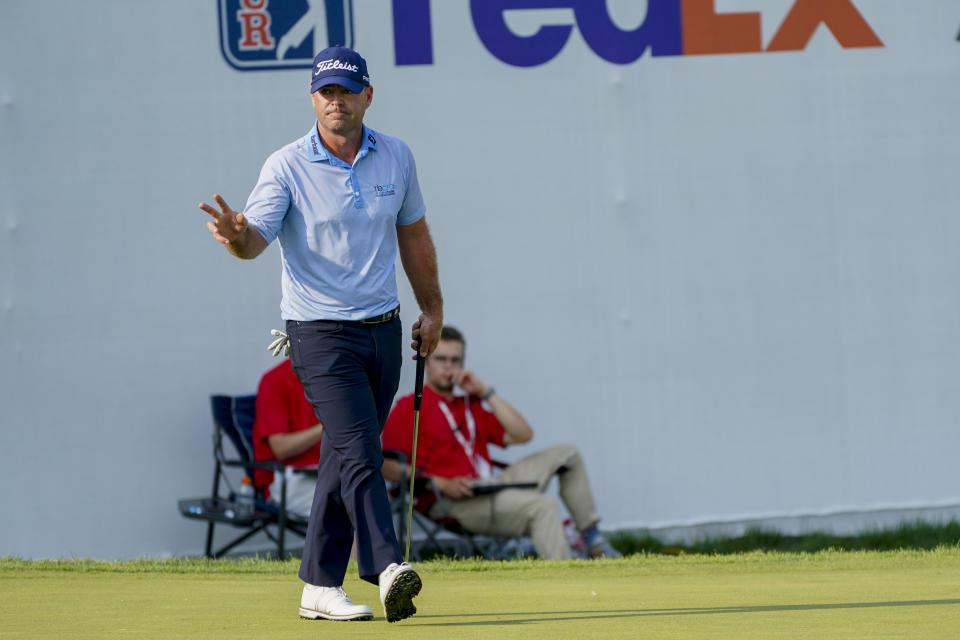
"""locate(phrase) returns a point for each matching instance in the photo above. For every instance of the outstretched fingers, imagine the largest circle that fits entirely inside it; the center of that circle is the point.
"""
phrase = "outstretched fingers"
(227, 225)
(224, 207)
(213, 212)
(222, 203)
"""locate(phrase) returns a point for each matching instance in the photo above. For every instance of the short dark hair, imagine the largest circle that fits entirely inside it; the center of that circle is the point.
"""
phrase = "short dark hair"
(452, 333)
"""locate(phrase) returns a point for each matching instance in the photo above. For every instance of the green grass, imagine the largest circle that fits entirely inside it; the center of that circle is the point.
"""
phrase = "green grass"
(831, 594)
(908, 535)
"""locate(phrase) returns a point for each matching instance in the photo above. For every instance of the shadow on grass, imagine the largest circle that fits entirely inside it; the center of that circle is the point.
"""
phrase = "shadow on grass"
(517, 618)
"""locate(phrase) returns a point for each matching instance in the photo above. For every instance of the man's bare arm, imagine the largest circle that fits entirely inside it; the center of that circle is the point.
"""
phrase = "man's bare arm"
(393, 471)
(286, 445)
(456, 488)
(516, 429)
(231, 229)
(419, 258)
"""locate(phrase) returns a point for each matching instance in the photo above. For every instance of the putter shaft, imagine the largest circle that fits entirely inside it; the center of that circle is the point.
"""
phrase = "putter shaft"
(413, 473)
(417, 401)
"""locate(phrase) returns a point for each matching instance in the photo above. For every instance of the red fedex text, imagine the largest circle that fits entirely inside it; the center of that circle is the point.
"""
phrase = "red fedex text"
(707, 32)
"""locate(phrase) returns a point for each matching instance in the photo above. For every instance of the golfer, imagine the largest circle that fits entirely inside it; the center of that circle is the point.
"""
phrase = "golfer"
(342, 200)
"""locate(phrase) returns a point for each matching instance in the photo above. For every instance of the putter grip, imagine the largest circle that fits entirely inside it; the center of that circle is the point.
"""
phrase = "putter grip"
(418, 385)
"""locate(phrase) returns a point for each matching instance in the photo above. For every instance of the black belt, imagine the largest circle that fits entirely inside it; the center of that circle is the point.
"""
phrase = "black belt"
(383, 317)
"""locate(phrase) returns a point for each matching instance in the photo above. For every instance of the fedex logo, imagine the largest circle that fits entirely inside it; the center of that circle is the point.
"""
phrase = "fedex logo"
(671, 28)
(281, 34)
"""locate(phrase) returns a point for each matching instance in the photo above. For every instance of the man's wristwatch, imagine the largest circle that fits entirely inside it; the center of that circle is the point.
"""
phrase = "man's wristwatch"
(489, 393)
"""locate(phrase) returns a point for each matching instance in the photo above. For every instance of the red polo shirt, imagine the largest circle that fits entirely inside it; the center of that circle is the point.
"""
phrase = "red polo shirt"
(439, 452)
(281, 408)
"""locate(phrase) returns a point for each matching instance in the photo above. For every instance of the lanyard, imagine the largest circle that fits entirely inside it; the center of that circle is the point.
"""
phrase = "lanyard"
(480, 466)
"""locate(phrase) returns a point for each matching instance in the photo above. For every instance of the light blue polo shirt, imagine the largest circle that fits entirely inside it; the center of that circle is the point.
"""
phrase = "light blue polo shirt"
(337, 224)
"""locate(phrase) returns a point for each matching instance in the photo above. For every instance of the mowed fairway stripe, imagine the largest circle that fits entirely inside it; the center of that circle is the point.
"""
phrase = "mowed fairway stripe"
(826, 595)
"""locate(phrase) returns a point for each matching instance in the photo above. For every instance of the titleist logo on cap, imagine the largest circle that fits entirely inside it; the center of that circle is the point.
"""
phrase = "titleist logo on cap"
(326, 65)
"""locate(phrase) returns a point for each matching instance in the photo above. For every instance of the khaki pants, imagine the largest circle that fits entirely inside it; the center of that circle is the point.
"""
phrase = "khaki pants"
(528, 512)
(300, 488)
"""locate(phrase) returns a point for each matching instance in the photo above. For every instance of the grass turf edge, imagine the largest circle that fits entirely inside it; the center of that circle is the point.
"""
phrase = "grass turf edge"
(756, 560)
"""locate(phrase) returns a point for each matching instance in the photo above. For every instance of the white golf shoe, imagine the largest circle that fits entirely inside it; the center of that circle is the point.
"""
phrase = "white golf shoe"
(331, 603)
(399, 584)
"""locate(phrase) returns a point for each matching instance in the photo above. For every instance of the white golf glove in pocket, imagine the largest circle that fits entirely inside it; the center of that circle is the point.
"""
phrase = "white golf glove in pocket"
(281, 344)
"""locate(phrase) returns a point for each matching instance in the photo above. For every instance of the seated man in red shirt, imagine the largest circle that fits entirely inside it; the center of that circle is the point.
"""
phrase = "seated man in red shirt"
(454, 433)
(286, 428)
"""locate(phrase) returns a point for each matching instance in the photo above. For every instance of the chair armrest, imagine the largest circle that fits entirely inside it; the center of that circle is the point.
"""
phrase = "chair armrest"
(272, 465)
(299, 469)
(394, 454)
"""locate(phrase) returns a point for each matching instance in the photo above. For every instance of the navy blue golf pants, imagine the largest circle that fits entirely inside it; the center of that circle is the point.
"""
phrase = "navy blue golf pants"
(350, 372)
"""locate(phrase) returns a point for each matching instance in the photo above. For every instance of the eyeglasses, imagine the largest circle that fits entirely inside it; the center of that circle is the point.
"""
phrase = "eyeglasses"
(455, 361)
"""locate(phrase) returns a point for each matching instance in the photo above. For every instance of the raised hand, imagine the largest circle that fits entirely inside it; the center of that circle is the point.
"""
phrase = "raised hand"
(227, 225)
(469, 382)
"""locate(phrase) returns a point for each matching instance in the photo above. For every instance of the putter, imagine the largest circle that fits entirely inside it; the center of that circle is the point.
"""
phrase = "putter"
(417, 400)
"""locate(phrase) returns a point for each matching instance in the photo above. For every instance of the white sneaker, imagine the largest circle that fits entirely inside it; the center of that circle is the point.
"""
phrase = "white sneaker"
(399, 584)
(331, 603)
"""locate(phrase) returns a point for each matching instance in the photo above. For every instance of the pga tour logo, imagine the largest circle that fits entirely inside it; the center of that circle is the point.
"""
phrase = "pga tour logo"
(282, 34)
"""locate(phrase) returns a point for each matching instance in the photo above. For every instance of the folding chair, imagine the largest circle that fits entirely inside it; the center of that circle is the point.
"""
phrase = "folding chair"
(233, 416)
(488, 547)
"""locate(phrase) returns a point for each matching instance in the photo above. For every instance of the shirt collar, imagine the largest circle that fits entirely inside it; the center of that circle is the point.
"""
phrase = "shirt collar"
(458, 395)
(318, 153)
(314, 148)
(369, 139)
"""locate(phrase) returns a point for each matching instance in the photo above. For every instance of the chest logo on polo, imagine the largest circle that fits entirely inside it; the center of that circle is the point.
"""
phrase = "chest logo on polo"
(385, 189)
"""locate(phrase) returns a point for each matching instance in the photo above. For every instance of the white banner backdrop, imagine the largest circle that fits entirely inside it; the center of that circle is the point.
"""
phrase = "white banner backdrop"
(731, 279)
